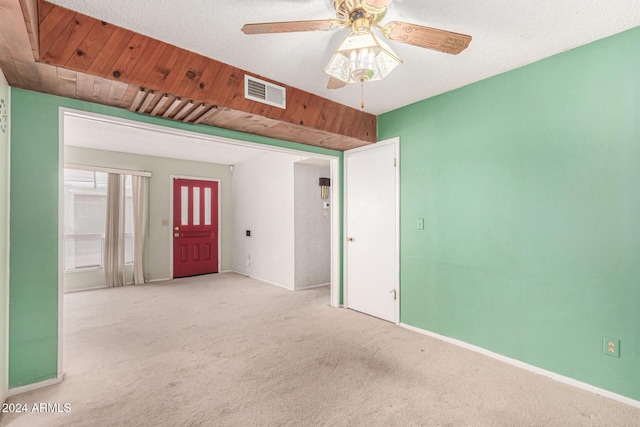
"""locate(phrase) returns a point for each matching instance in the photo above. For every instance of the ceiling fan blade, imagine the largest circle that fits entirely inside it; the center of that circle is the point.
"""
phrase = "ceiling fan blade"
(291, 26)
(335, 83)
(427, 37)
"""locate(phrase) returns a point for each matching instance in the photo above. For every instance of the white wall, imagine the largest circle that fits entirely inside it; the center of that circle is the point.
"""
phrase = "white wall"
(4, 246)
(263, 203)
(312, 228)
(157, 259)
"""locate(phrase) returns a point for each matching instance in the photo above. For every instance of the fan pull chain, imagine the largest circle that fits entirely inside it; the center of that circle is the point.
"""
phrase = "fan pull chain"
(362, 94)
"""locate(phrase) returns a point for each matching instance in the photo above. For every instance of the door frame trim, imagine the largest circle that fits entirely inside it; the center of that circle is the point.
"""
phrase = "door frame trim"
(395, 141)
(219, 181)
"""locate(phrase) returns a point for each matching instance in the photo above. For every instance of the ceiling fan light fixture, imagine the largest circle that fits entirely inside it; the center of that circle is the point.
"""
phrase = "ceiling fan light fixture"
(362, 57)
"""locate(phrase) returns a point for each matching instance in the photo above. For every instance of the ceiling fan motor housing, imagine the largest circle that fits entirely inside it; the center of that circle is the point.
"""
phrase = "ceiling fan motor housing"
(348, 11)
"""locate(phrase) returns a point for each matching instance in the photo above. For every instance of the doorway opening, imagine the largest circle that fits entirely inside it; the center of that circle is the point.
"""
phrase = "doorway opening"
(96, 140)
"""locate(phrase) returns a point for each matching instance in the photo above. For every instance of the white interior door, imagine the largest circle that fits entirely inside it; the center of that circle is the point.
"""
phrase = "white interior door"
(371, 229)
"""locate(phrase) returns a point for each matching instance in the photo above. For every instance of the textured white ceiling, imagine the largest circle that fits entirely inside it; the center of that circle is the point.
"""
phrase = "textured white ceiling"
(90, 131)
(107, 133)
(506, 35)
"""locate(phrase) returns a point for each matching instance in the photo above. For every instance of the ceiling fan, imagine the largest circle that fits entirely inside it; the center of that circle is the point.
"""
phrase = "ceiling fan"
(362, 56)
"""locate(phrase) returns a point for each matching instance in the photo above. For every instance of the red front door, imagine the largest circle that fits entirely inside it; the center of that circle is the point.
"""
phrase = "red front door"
(195, 227)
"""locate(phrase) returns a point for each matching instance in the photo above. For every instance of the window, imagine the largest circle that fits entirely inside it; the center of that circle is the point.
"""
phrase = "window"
(85, 212)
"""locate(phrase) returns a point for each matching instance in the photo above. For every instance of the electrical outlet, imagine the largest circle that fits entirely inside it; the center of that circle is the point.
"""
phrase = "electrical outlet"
(611, 346)
(420, 224)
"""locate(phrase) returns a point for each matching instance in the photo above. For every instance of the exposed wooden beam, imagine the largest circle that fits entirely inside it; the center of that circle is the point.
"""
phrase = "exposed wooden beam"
(98, 51)
(133, 58)
(30, 13)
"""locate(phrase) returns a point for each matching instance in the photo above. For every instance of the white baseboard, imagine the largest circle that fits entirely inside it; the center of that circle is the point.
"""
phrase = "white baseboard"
(226, 271)
(156, 280)
(35, 386)
(517, 363)
(92, 288)
(265, 281)
(312, 286)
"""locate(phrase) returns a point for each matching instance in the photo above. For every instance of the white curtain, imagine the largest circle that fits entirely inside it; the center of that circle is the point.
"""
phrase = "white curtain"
(140, 207)
(114, 233)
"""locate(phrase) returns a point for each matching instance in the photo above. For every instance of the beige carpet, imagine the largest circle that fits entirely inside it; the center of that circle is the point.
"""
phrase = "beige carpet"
(225, 350)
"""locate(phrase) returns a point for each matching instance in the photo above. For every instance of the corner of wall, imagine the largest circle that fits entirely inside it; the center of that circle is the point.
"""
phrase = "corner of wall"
(263, 203)
(5, 94)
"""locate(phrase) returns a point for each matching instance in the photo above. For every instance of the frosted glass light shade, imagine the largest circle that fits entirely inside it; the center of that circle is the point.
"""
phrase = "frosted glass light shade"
(362, 57)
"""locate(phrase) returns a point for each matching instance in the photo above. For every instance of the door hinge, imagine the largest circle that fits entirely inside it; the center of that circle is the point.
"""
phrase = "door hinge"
(395, 294)
(395, 162)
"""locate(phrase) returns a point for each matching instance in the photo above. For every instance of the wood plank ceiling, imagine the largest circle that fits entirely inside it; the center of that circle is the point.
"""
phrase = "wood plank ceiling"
(51, 49)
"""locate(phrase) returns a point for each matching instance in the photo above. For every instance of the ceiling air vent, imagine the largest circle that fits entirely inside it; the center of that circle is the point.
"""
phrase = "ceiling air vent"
(265, 92)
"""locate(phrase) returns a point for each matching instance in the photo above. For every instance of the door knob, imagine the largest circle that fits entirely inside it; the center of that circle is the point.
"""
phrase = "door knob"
(177, 228)
(176, 234)
(349, 239)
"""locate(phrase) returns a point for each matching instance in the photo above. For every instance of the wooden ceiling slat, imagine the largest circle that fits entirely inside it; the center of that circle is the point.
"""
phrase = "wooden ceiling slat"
(174, 73)
(29, 75)
(208, 75)
(30, 13)
(11, 71)
(138, 100)
(66, 44)
(148, 59)
(224, 87)
(9, 65)
(88, 50)
(162, 68)
(186, 74)
(52, 26)
(110, 51)
(128, 58)
(207, 114)
(117, 92)
(158, 107)
(16, 47)
(342, 116)
(314, 115)
(129, 96)
(186, 108)
(67, 82)
(298, 101)
(48, 76)
(172, 108)
(101, 88)
(84, 85)
(195, 113)
(147, 102)
(207, 89)
(43, 9)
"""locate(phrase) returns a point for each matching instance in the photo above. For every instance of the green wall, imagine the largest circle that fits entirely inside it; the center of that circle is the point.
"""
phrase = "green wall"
(529, 186)
(33, 328)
